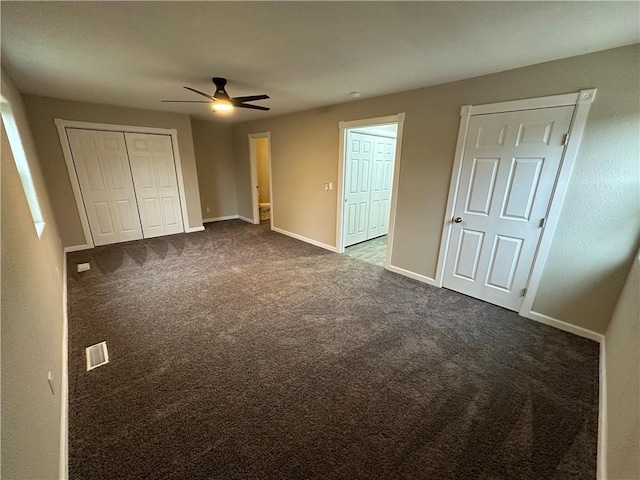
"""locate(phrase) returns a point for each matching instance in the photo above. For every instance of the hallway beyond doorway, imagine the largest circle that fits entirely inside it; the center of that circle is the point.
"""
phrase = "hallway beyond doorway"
(372, 251)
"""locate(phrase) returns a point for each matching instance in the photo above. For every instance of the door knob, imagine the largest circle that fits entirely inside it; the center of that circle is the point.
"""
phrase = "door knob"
(457, 220)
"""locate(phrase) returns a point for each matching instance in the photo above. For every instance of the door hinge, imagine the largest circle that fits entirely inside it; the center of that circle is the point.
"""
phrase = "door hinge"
(566, 139)
(524, 292)
(542, 222)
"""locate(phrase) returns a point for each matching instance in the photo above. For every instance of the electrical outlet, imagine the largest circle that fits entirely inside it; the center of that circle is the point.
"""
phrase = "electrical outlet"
(207, 209)
(83, 267)
(50, 380)
(326, 186)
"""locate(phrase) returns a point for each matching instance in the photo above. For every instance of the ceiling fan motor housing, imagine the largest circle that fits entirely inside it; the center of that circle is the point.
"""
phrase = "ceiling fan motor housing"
(220, 83)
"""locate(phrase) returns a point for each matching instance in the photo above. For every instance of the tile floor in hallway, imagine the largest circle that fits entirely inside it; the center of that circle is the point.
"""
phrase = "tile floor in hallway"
(373, 251)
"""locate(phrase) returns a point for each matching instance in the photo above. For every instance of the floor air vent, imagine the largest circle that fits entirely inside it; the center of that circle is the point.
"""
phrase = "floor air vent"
(97, 355)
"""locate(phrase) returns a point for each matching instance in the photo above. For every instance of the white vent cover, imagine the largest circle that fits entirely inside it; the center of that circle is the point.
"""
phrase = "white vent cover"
(97, 355)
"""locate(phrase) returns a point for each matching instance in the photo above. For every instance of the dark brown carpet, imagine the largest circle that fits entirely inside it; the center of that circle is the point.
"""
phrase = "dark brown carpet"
(239, 353)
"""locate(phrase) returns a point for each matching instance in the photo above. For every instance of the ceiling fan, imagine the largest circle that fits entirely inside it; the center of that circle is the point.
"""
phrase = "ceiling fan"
(221, 101)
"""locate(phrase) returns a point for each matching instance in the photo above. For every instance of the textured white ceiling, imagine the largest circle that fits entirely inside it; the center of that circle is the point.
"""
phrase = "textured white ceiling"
(303, 54)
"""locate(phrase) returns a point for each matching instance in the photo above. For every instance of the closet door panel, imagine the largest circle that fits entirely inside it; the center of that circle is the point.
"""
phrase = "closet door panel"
(169, 208)
(126, 212)
(359, 156)
(101, 163)
(114, 155)
(141, 162)
(382, 178)
(105, 222)
(152, 214)
(155, 180)
(165, 167)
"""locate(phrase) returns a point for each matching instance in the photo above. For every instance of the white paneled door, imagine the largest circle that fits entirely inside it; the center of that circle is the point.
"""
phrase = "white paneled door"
(107, 188)
(509, 168)
(368, 177)
(359, 157)
(156, 185)
(128, 183)
(381, 180)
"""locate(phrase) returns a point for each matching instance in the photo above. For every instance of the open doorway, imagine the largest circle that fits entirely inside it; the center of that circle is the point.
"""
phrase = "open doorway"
(369, 154)
(260, 154)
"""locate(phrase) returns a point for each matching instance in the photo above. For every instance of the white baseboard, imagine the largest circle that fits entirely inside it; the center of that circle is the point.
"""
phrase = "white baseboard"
(220, 219)
(567, 327)
(246, 219)
(64, 382)
(77, 248)
(304, 239)
(602, 416)
(410, 274)
(538, 317)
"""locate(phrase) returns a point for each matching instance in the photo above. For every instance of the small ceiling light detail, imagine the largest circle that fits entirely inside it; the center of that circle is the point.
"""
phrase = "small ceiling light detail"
(355, 94)
(222, 106)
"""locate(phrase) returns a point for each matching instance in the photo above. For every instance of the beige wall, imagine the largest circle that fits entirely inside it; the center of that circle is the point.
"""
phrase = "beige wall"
(304, 153)
(622, 350)
(216, 171)
(42, 111)
(262, 161)
(32, 317)
(587, 264)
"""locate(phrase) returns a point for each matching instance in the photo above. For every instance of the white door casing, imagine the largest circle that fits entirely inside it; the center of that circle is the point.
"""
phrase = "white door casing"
(253, 165)
(359, 158)
(156, 186)
(509, 168)
(381, 180)
(341, 213)
(102, 167)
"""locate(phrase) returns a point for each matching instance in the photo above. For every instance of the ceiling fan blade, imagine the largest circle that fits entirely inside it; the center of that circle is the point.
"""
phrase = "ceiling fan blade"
(254, 107)
(186, 101)
(249, 98)
(200, 93)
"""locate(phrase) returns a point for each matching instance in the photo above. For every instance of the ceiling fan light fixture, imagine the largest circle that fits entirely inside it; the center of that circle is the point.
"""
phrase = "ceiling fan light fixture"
(221, 101)
(222, 106)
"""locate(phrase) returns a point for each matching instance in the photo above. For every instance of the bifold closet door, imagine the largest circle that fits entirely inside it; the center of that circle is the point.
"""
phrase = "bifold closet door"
(381, 180)
(156, 185)
(368, 177)
(357, 187)
(105, 181)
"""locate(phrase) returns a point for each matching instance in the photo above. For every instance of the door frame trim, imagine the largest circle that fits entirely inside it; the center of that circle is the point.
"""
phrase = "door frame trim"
(253, 161)
(399, 119)
(62, 126)
(582, 100)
